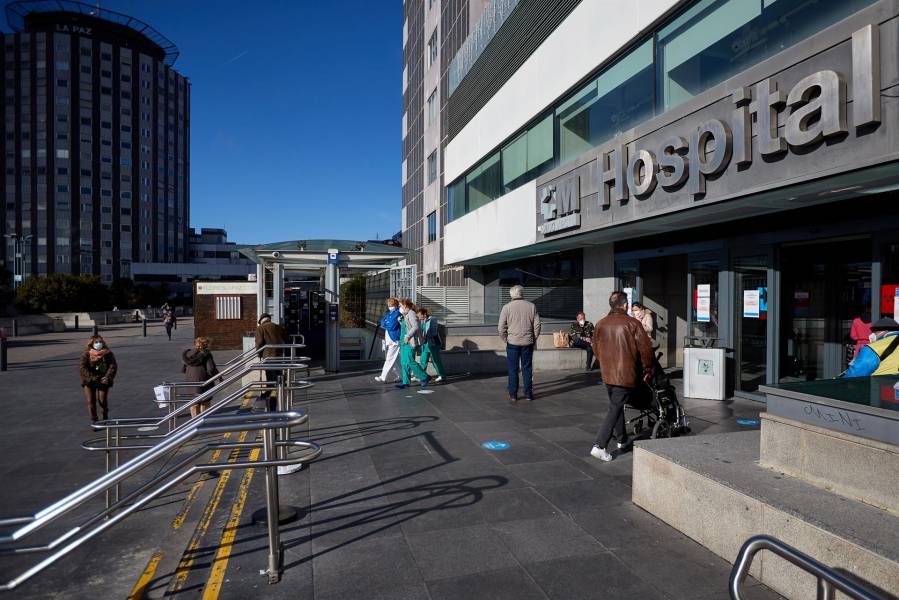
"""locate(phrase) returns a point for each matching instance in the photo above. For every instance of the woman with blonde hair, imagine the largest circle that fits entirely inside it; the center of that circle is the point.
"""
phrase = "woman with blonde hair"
(98, 370)
(198, 365)
(410, 340)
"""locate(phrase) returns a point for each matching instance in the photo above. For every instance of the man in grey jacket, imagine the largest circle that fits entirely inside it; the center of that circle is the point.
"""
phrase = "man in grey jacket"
(519, 328)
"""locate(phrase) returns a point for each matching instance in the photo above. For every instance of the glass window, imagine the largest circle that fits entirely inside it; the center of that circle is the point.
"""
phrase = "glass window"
(484, 183)
(432, 227)
(716, 39)
(620, 98)
(456, 203)
(432, 167)
(432, 48)
(432, 107)
(529, 155)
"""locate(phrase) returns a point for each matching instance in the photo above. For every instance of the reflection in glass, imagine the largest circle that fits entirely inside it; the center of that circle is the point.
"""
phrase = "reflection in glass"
(620, 98)
(716, 39)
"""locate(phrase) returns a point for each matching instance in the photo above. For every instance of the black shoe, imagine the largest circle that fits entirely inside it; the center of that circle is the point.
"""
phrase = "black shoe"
(530, 398)
(513, 399)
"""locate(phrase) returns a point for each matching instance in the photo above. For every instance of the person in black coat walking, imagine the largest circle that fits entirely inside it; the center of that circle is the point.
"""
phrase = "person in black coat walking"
(198, 365)
(98, 370)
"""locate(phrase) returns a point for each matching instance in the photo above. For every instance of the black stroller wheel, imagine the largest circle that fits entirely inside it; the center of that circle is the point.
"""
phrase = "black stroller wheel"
(662, 429)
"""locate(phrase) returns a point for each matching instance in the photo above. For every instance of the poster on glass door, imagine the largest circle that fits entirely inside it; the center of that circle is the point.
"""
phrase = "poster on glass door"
(751, 300)
(704, 303)
(629, 292)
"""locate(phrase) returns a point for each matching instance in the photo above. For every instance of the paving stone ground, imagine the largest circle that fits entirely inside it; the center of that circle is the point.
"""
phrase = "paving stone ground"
(405, 502)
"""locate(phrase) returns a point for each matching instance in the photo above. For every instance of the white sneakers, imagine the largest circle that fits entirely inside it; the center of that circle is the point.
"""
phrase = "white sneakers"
(379, 379)
(601, 454)
(288, 469)
(438, 380)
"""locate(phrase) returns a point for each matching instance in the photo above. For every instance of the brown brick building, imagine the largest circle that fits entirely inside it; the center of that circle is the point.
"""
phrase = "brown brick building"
(224, 312)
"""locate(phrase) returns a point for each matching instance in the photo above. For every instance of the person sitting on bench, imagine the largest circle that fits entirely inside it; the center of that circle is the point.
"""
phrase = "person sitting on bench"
(580, 335)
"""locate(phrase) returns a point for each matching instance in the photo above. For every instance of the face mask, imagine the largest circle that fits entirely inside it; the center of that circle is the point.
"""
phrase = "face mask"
(581, 322)
(872, 338)
(98, 345)
(391, 308)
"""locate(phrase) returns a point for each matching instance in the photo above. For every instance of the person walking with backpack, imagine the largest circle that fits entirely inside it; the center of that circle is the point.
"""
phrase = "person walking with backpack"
(430, 343)
(410, 337)
(98, 370)
(391, 326)
(198, 365)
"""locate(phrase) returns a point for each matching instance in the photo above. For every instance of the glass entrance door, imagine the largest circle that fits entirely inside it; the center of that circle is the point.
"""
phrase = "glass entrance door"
(751, 321)
(826, 286)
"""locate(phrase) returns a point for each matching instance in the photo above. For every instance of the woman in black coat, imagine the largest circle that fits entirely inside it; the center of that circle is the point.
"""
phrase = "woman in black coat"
(198, 365)
(98, 370)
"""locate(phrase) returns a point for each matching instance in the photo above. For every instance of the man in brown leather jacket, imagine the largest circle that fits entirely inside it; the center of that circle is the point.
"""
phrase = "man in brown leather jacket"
(625, 358)
(269, 333)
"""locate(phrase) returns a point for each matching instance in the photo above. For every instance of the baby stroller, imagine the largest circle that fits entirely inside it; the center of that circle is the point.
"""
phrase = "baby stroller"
(657, 406)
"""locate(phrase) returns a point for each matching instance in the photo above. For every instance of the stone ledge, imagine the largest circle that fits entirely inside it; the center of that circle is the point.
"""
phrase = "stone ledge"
(712, 489)
(852, 466)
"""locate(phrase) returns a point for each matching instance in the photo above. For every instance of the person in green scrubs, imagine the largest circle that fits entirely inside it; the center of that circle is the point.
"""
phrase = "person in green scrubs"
(410, 340)
(430, 342)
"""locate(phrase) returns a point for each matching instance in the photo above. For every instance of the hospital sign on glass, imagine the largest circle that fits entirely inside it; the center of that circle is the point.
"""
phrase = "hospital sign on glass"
(816, 108)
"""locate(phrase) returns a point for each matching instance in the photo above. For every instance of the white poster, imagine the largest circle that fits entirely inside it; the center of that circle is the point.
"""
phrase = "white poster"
(704, 302)
(751, 304)
(630, 299)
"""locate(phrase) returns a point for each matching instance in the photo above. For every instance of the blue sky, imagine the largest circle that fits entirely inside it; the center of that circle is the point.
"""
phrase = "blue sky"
(296, 113)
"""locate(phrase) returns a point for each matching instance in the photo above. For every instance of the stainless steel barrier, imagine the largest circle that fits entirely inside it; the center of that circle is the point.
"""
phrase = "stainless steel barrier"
(92, 526)
(828, 580)
(113, 427)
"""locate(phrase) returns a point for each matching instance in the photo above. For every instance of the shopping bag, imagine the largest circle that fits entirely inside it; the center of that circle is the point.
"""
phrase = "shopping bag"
(560, 339)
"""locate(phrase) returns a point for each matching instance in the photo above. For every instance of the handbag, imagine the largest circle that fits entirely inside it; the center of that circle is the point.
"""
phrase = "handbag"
(561, 339)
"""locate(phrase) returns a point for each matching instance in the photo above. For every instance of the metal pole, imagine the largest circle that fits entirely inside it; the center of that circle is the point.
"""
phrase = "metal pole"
(96, 330)
(76, 322)
(15, 328)
(271, 505)
(145, 326)
(108, 464)
(105, 318)
(3, 363)
(118, 485)
(283, 432)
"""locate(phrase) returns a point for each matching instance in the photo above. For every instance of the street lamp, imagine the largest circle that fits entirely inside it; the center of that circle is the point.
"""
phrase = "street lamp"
(19, 244)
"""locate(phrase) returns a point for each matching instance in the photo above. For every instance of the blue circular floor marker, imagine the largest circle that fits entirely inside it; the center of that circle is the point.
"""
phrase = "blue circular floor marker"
(495, 445)
(747, 422)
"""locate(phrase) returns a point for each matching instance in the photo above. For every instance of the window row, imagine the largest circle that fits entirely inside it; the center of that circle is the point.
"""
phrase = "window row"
(709, 42)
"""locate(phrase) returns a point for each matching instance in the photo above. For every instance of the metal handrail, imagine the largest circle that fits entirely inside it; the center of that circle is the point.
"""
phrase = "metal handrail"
(113, 427)
(243, 358)
(96, 524)
(203, 397)
(828, 580)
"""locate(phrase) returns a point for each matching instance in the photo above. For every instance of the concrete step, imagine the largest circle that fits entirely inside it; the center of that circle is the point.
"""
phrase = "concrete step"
(713, 490)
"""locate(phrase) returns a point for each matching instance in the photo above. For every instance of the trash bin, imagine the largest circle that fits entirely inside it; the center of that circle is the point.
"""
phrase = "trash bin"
(704, 370)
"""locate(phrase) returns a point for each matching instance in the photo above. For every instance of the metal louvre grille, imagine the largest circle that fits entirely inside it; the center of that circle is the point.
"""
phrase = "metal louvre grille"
(561, 302)
(491, 20)
(227, 307)
(525, 29)
(446, 303)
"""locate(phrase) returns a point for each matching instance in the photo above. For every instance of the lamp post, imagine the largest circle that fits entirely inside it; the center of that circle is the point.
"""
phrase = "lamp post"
(19, 244)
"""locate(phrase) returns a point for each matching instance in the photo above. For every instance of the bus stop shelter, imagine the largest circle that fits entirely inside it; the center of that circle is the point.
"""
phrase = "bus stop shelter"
(329, 260)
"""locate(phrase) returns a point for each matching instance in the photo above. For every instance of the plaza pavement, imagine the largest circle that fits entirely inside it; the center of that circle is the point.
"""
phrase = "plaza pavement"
(404, 503)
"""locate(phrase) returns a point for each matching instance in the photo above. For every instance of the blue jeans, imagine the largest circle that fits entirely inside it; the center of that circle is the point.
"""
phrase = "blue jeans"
(523, 355)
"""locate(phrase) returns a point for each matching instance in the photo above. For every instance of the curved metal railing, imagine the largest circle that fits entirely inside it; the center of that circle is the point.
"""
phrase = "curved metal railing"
(95, 524)
(828, 580)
